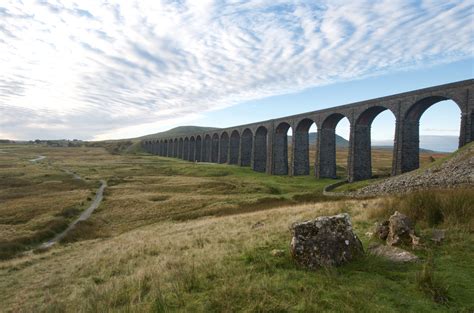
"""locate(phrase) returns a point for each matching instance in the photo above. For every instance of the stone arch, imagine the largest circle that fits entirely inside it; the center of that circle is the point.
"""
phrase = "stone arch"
(408, 147)
(280, 149)
(361, 148)
(215, 148)
(246, 147)
(192, 149)
(206, 148)
(224, 148)
(198, 155)
(416, 110)
(260, 150)
(326, 147)
(234, 145)
(301, 147)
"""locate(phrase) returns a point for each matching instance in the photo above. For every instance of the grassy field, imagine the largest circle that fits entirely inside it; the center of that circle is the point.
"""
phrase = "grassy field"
(178, 236)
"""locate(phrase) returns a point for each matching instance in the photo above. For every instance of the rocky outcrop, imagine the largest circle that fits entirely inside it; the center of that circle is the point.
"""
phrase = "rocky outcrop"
(454, 172)
(325, 241)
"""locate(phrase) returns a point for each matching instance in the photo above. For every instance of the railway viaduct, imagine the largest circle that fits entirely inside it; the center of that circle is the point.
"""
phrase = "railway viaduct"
(264, 145)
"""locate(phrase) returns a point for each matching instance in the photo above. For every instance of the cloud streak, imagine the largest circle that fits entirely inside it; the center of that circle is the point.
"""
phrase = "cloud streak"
(92, 69)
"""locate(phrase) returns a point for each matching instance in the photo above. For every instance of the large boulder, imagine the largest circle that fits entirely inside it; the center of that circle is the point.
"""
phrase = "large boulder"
(324, 241)
(401, 230)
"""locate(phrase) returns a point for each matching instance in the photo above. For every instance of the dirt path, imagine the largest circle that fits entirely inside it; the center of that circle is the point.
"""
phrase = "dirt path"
(39, 158)
(99, 196)
(84, 216)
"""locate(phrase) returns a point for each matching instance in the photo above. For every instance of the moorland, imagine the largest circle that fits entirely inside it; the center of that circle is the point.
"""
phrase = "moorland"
(172, 235)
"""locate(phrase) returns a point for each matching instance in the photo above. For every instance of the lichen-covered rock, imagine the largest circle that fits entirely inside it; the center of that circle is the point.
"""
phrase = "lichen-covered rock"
(324, 241)
(401, 230)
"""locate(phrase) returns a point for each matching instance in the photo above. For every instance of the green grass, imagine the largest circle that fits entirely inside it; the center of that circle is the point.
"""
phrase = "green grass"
(252, 280)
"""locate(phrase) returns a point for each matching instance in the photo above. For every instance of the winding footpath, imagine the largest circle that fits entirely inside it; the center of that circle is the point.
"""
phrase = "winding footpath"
(99, 196)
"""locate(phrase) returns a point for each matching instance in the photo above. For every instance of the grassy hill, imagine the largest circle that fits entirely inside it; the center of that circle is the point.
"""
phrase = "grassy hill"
(180, 131)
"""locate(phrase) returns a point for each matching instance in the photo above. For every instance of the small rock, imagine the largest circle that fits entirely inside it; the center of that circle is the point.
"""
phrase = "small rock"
(324, 241)
(438, 235)
(391, 253)
(401, 230)
(257, 225)
(278, 252)
(382, 230)
(369, 234)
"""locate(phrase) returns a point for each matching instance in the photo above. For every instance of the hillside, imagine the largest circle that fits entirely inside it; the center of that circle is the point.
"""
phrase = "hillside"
(453, 171)
(179, 131)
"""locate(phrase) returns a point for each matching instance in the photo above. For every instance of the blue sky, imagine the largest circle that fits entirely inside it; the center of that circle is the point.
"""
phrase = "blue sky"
(97, 70)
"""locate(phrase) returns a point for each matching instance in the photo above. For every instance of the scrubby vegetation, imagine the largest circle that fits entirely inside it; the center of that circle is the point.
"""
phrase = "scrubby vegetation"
(429, 208)
(178, 236)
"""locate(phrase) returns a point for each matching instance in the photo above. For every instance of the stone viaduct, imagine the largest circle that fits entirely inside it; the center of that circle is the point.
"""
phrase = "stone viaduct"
(263, 145)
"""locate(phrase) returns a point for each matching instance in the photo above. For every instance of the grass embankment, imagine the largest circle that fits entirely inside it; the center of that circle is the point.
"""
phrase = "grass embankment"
(178, 236)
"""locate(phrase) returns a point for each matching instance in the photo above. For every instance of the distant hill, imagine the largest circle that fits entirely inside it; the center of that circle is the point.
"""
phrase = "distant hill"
(179, 131)
(340, 141)
(433, 143)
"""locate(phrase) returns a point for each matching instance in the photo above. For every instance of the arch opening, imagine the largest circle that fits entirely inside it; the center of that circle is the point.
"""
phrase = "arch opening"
(180, 148)
(165, 148)
(260, 150)
(192, 149)
(224, 148)
(375, 122)
(246, 148)
(234, 145)
(198, 155)
(433, 123)
(215, 148)
(185, 155)
(333, 147)
(175, 148)
(206, 149)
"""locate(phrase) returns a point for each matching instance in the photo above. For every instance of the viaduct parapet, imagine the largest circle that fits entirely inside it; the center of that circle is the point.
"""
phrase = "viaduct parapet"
(264, 145)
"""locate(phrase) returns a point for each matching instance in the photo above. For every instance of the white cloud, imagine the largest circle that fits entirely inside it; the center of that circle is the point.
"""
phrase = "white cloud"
(101, 69)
